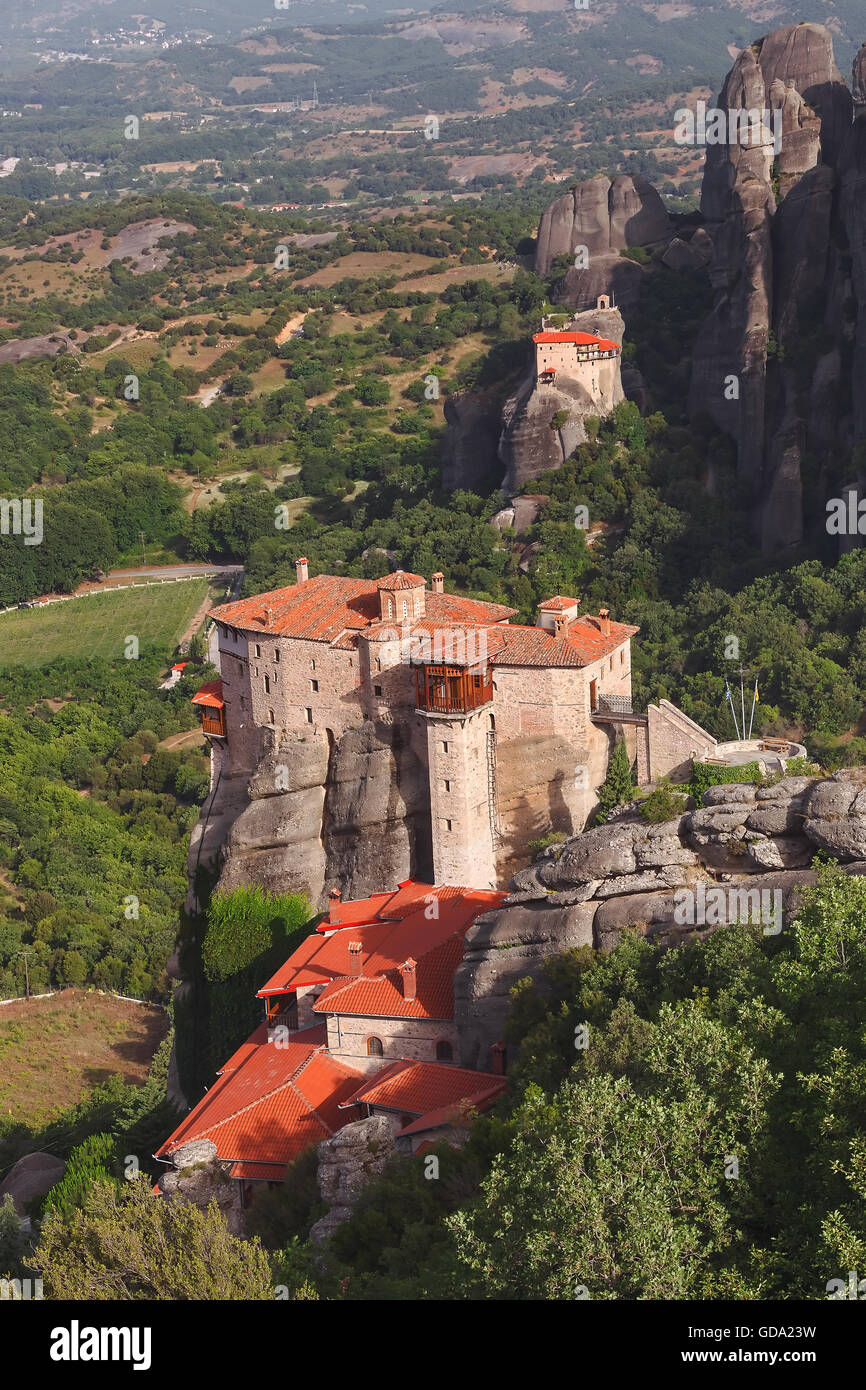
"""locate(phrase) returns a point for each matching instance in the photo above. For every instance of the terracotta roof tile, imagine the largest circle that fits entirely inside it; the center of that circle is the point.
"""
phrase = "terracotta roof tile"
(258, 1172)
(580, 339)
(401, 579)
(421, 1087)
(273, 1104)
(210, 694)
(330, 608)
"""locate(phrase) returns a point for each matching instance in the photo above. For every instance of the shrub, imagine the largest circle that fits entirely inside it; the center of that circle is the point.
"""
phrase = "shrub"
(663, 804)
(245, 923)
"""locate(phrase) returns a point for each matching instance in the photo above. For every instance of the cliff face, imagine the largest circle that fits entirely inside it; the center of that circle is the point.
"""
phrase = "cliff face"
(529, 445)
(628, 874)
(350, 813)
(606, 217)
(773, 364)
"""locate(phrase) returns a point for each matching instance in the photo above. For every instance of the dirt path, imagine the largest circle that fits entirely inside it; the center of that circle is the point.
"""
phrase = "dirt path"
(188, 739)
(291, 328)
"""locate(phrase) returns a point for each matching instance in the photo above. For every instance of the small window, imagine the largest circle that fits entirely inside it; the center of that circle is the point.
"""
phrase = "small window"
(378, 664)
(444, 747)
(444, 1052)
(258, 649)
(405, 608)
(276, 653)
(374, 1047)
(312, 665)
(448, 825)
(271, 717)
(622, 657)
(243, 702)
(610, 667)
(377, 690)
(417, 605)
(447, 785)
(314, 685)
(390, 608)
(267, 685)
(309, 713)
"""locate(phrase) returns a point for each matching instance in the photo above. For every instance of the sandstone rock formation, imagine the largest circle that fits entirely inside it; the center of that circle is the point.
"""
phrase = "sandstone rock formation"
(472, 426)
(347, 1162)
(789, 271)
(351, 812)
(626, 875)
(529, 445)
(606, 217)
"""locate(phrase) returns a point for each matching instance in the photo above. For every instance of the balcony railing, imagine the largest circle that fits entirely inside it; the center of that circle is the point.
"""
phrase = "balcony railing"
(615, 707)
(283, 1018)
(453, 689)
(213, 722)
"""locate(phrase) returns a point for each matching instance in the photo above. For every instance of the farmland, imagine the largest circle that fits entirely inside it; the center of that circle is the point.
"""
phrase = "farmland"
(100, 624)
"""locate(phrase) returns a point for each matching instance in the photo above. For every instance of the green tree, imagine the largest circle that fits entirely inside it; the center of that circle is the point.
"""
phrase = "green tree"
(130, 1245)
(617, 787)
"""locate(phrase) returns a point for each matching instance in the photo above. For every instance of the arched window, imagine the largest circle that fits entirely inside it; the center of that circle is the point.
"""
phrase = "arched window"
(444, 1052)
(374, 1047)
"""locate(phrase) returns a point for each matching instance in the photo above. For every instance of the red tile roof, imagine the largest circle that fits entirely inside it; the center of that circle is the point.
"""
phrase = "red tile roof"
(331, 609)
(418, 1088)
(327, 607)
(258, 1172)
(273, 1103)
(406, 926)
(580, 645)
(379, 993)
(558, 604)
(210, 694)
(401, 579)
(580, 339)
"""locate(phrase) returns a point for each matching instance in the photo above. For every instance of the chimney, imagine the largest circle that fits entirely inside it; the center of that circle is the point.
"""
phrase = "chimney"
(355, 949)
(334, 899)
(560, 625)
(497, 1053)
(409, 972)
(438, 581)
(269, 616)
(301, 569)
(604, 621)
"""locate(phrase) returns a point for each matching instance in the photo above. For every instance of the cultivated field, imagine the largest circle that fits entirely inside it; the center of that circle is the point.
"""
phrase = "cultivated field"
(54, 1051)
(98, 626)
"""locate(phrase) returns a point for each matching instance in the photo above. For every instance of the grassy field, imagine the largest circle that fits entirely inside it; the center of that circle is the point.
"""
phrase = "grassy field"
(54, 1051)
(99, 626)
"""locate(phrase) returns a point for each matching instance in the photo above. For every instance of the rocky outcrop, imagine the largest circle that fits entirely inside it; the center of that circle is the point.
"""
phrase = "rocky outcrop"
(604, 216)
(351, 813)
(530, 444)
(350, 1159)
(473, 422)
(32, 1176)
(744, 854)
(780, 216)
(197, 1176)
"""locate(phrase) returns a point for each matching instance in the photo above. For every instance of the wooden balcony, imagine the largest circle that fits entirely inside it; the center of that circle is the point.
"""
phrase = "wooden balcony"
(213, 722)
(453, 689)
(278, 1017)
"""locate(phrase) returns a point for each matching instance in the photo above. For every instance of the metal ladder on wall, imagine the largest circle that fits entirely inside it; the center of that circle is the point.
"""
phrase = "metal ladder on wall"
(492, 798)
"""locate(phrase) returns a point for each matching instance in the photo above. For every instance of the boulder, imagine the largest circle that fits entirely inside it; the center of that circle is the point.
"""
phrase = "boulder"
(347, 1161)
